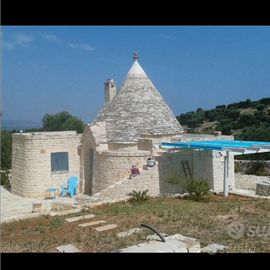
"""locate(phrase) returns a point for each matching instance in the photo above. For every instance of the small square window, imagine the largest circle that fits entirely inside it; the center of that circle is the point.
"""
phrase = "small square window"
(59, 161)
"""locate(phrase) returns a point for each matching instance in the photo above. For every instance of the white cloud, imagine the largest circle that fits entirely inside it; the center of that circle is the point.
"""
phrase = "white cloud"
(8, 45)
(18, 39)
(51, 37)
(85, 47)
(23, 39)
(163, 36)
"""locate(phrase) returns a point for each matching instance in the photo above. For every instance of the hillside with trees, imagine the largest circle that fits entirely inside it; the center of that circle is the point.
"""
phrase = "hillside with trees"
(245, 120)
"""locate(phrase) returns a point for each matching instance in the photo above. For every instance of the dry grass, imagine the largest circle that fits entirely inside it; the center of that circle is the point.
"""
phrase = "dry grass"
(207, 222)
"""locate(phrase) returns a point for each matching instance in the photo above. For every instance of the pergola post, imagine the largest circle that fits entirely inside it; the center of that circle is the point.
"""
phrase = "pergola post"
(226, 174)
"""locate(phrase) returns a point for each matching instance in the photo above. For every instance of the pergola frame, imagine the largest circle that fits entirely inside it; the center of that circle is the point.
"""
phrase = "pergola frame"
(225, 148)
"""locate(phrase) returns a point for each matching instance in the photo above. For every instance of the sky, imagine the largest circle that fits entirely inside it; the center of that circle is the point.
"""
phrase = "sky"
(48, 69)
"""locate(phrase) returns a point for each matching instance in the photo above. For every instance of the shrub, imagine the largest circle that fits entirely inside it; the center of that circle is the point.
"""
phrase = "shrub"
(198, 189)
(138, 197)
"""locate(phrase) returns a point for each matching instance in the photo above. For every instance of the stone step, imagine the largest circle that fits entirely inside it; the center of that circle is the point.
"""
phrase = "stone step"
(92, 223)
(80, 218)
(106, 227)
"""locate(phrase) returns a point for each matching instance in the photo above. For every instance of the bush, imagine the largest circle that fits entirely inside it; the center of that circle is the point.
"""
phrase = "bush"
(198, 189)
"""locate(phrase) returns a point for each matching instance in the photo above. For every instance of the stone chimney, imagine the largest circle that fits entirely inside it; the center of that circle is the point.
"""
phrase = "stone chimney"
(110, 90)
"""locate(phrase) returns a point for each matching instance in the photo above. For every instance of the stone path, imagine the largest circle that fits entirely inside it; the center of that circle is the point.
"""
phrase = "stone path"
(106, 227)
(93, 223)
(173, 244)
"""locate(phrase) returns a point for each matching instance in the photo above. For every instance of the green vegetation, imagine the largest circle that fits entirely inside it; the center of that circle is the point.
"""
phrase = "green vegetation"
(246, 120)
(61, 121)
(198, 189)
(138, 197)
(56, 222)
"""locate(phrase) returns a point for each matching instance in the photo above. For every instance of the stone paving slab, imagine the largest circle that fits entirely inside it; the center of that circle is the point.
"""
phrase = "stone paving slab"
(170, 246)
(79, 218)
(129, 232)
(106, 227)
(68, 249)
(92, 223)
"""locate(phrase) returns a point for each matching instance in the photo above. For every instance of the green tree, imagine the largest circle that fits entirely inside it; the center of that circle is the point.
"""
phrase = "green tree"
(6, 149)
(265, 101)
(194, 122)
(245, 104)
(211, 115)
(221, 106)
(233, 114)
(261, 116)
(260, 107)
(61, 121)
(184, 117)
(247, 118)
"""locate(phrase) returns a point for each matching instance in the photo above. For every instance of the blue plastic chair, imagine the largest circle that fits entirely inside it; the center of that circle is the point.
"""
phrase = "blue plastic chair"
(71, 186)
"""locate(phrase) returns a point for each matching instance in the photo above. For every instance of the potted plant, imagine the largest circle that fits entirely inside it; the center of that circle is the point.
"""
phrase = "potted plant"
(150, 162)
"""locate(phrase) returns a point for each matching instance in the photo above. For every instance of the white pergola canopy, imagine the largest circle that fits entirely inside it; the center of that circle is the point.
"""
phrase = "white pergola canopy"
(226, 148)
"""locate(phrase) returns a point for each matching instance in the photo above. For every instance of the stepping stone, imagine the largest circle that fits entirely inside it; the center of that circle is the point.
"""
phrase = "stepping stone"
(92, 223)
(106, 227)
(67, 249)
(129, 232)
(79, 218)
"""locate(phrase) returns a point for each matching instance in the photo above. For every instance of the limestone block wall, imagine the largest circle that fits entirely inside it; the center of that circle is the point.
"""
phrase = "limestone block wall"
(31, 161)
(168, 163)
(147, 180)
(205, 164)
(113, 165)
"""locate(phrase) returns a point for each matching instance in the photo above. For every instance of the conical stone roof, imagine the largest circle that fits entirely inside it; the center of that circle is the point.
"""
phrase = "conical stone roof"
(137, 108)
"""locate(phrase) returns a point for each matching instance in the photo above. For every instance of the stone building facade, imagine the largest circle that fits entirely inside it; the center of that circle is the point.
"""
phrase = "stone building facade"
(32, 154)
(127, 130)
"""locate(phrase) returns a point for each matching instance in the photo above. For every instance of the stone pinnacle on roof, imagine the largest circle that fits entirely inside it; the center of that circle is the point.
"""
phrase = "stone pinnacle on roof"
(135, 57)
(136, 69)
